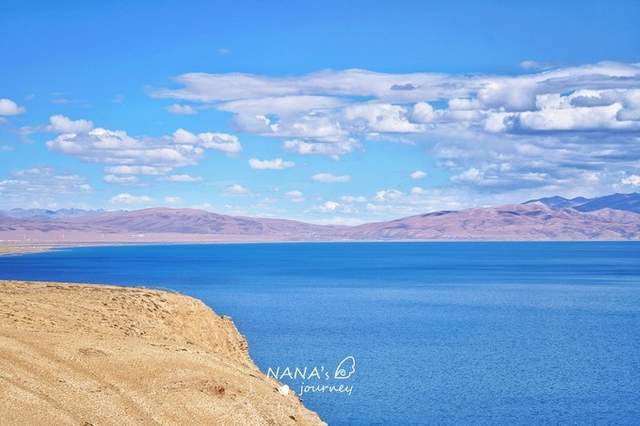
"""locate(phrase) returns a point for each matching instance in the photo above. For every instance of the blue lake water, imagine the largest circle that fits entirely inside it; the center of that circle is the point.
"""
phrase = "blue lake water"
(442, 333)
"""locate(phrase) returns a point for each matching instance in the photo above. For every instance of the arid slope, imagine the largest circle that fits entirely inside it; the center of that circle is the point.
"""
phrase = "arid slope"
(87, 354)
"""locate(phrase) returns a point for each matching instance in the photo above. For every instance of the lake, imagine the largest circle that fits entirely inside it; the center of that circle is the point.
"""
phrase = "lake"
(430, 333)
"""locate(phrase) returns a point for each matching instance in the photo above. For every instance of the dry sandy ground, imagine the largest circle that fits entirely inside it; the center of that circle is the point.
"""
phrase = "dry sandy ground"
(22, 249)
(100, 355)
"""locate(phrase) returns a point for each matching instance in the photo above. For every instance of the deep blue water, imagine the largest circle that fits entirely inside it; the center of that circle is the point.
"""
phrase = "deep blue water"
(442, 333)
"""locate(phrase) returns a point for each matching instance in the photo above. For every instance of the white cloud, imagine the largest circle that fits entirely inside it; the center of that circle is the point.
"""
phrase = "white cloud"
(219, 141)
(275, 164)
(183, 178)
(335, 207)
(329, 206)
(414, 87)
(171, 200)
(390, 203)
(295, 196)
(181, 109)
(330, 178)
(125, 154)
(120, 179)
(128, 199)
(378, 117)
(42, 187)
(9, 107)
(350, 199)
(203, 206)
(283, 105)
(497, 122)
(185, 137)
(497, 133)
(534, 65)
(471, 175)
(138, 170)
(226, 87)
(62, 124)
(116, 147)
(336, 148)
(387, 194)
(578, 118)
(423, 113)
(236, 189)
(633, 180)
(418, 174)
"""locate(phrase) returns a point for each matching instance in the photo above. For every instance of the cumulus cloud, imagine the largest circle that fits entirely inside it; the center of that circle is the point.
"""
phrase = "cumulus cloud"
(471, 175)
(330, 178)
(391, 203)
(275, 164)
(236, 189)
(128, 199)
(335, 207)
(42, 187)
(547, 128)
(418, 174)
(387, 194)
(633, 180)
(62, 124)
(138, 170)
(9, 107)
(181, 109)
(379, 117)
(283, 105)
(295, 196)
(350, 199)
(423, 112)
(347, 84)
(336, 148)
(183, 178)
(328, 206)
(127, 155)
(218, 141)
(120, 179)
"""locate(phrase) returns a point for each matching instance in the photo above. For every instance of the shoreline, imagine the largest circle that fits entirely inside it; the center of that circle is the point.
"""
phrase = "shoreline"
(16, 249)
(24, 249)
(19, 249)
(104, 354)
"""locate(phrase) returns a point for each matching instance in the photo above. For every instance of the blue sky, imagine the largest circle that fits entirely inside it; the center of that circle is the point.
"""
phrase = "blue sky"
(338, 105)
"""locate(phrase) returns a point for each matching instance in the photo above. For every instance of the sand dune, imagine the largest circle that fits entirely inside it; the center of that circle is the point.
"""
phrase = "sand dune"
(86, 354)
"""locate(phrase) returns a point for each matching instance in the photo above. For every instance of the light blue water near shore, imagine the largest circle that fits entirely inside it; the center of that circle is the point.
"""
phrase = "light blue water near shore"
(442, 333)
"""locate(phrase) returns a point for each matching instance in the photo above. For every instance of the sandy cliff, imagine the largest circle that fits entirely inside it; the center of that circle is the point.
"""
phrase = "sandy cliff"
(85, 354)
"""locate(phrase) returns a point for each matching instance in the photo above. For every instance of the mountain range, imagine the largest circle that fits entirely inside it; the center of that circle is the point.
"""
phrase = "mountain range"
(612, 217)
(628, 202)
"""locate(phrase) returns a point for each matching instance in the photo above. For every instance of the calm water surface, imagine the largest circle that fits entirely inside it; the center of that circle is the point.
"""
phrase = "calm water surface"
(442, 333)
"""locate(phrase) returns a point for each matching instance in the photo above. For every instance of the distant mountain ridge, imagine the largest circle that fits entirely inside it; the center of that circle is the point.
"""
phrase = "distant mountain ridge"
(552, 218)
(628, 202)
(531, 221)
(46, 213)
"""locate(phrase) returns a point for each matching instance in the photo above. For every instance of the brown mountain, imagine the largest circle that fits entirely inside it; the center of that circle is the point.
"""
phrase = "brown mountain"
(530, 221)
(158, 225)
(533, 221)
